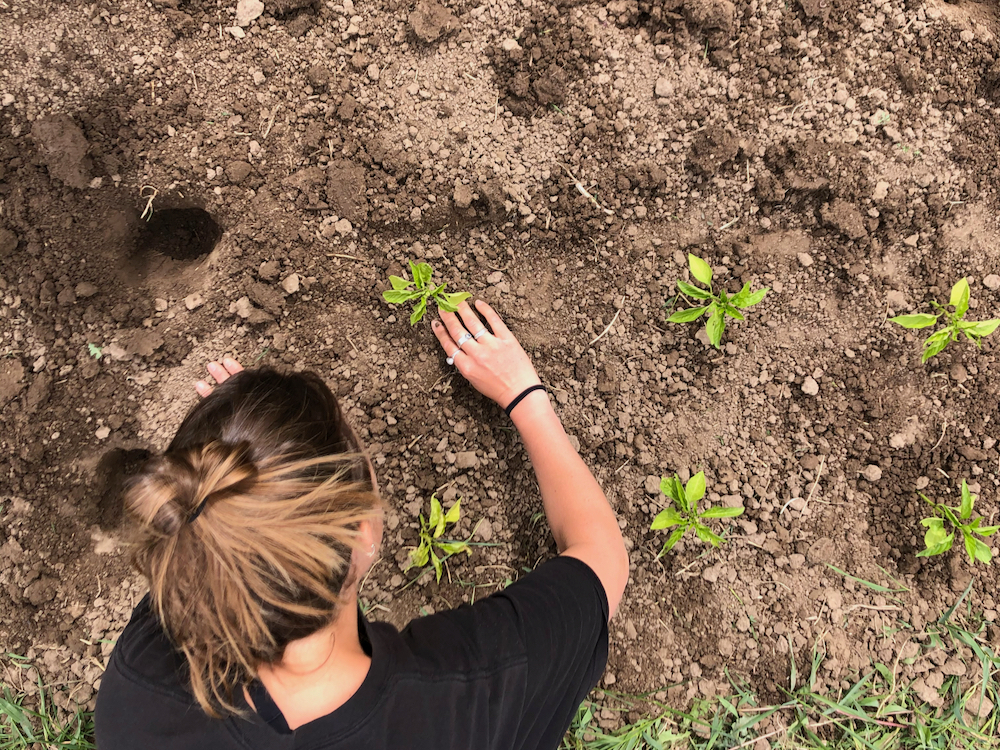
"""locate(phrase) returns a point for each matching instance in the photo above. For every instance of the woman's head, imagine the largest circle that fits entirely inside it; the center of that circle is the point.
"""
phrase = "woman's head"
(251, 519)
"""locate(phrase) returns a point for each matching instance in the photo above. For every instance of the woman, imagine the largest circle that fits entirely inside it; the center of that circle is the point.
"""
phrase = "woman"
(259, 522)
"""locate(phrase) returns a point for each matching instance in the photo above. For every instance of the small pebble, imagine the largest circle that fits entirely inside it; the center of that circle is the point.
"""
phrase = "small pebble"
(872, 473)
(992, 282)
(805, 260)
(291, 284)
(810, 387)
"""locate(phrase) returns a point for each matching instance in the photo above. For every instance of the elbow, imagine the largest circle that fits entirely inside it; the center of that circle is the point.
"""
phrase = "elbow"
(620, 581)
(625, 565)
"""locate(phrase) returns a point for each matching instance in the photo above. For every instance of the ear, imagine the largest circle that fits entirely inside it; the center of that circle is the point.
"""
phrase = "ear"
(369, 541)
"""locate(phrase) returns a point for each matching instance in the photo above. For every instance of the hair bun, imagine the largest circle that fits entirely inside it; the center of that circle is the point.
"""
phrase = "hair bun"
(176, 488)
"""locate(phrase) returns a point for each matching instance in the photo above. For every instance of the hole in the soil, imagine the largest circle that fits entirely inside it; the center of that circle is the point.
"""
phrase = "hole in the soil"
(180, 233)
(113, 471)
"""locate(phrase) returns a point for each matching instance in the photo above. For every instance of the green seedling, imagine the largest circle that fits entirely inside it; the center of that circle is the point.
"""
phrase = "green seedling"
(684, 513)
(431, 542)
(420, 290)
(938, 540)
(95, 351)
(719, 307)
(955, 323)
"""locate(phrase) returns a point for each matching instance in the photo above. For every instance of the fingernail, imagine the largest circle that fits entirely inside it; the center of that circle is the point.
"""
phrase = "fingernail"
(435, 323)
(227, 361)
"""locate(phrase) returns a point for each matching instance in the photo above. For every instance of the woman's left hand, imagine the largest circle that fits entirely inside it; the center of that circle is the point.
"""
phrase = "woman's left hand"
(220, 373)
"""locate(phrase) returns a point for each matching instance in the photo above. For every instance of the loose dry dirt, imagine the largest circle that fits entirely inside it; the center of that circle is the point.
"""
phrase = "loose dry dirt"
(843, 153)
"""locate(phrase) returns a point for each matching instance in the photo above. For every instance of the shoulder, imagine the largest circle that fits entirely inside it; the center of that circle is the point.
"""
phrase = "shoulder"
(144, 655)
(496, 630)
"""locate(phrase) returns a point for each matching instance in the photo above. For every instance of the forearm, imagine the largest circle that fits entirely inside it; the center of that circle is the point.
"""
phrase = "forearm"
(575, 505)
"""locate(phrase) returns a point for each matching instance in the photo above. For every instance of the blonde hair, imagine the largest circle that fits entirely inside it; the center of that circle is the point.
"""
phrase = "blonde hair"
(248, 522)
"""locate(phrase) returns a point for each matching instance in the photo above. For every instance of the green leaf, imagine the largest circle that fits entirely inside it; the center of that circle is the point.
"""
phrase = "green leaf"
(436, 521)
(449, 302)
(983, 553)
(95, 351)
(915, 321)
(738, 298)
(732, 312)
(673, 539)
(706, 535)
(980, 328)
(418, 311)
(670, 486)
(399, 284)
(421, 273)
(950, 515)
(665, 519)
(970, 545)
(935, 344)
(960, 297)
(700, 269)
(454, 512)
(436, 562)
(720, 512)
(944, 546)
(695, 489)
(988, 530)
(935, 533)
(750, 300)
(968, 499)
(714, 328)
(453, 548)
(398, 297)
(686, 316)
(692, 291)
(419, 556)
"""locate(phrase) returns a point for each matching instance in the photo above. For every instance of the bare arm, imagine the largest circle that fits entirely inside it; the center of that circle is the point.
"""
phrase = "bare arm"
(582, 521)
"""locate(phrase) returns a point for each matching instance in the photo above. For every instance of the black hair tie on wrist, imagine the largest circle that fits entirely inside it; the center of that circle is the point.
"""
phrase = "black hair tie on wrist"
(519, 397)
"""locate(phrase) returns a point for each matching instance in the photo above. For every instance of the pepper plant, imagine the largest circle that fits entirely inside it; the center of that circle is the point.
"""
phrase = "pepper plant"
(419, 290)
(937, 539)
(955, 323)
(431, 530)
(684, 513)
(719, 307)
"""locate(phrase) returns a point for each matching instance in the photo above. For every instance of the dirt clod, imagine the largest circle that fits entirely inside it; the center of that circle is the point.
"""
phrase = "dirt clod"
(430, 21)
(64, 149)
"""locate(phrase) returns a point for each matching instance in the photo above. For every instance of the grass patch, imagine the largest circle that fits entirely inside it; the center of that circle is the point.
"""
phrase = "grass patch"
(36, 722)
(876, 712)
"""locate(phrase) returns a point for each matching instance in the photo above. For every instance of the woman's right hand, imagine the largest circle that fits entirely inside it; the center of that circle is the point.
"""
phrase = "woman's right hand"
(495, 364)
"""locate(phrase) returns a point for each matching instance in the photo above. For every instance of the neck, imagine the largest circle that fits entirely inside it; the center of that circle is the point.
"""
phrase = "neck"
(319, 673)
(337, 643)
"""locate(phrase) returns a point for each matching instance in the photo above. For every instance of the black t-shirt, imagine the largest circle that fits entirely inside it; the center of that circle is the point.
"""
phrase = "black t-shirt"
(507, 673)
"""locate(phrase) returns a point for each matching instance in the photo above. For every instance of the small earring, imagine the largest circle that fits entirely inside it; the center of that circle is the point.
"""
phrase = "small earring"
(371, 552)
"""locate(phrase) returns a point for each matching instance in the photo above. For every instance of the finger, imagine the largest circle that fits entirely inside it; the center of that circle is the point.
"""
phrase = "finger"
(454, 325)
(218, 372)
(495, 321)
(445, 339)
(232, 366)
(472, 322)
(203, 388)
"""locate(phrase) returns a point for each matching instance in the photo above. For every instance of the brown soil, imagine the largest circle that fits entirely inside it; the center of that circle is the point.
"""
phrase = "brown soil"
(842, 153)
